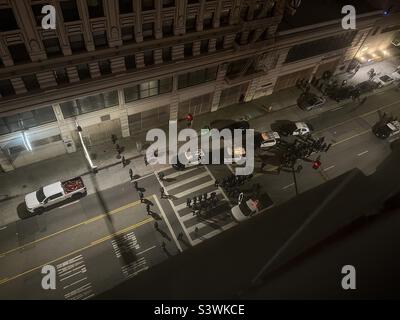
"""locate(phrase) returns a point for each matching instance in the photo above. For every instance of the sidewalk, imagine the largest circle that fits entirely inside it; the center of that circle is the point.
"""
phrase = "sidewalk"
(14, 185)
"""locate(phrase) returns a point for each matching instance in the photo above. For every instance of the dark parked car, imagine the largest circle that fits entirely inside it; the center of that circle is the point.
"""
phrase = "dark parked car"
(366, 86)
(309, 101)
(339, 94)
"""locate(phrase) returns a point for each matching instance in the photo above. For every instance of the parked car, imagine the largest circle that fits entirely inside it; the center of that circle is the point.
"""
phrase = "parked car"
(383, 81)
(341, 93)
(190, 159)
(366, 86)
(47, 196)
(309, 101)
(250, 207)
(295, 129)
(266, 139)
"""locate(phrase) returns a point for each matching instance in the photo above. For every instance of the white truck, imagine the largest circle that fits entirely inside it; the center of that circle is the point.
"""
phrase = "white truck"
(47, 196)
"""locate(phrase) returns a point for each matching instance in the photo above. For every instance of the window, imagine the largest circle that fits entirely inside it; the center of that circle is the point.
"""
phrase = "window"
(31, 82)
(7, 20)
(18, 53)
(95, 8)
(37, 12)
(61, 76)
(168, 28)
(148, 89)
(197, 77)
(317, 47)
(6, 88)
(188, 49)
(69, 10)
(125, 6)
(147, 5)
(168, 3)
(204, 46)
(52, 47)
(27, 120)
(105, 67)
(167, 54)
(148, 30)
(224, 18)
(42, 142)
(89, 104)
(130, 62)
(83, 71)
(191, 23)
(148, 57)
(127, 34)
(77, 43)
(208, 21)
(220, 43)
(243, 13)
(100, 39)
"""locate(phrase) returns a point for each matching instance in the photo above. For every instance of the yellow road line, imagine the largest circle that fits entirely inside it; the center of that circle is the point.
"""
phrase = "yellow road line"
(92, 244)
(94, 219)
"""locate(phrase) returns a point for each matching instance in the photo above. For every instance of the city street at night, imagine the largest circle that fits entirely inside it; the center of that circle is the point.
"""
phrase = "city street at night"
(112, 110)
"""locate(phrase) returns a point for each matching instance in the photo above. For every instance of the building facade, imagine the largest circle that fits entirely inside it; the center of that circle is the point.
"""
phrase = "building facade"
(124, 66)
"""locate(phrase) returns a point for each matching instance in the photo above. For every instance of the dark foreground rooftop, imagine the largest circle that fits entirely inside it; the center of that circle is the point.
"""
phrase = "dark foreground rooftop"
(339, 225)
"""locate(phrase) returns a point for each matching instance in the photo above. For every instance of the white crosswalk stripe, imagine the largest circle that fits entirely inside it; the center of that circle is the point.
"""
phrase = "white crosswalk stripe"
(190, 183)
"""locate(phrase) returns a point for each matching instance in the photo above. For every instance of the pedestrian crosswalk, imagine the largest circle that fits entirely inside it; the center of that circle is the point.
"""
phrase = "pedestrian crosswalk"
(193, 182)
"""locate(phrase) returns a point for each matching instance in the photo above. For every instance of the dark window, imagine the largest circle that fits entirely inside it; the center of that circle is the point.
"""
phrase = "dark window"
(191, 23)
(317, 47)
(61, 76)
(168, 3)
(188, 49)
(208, 21)
(69, 10)
(7, 20)
(243, 13)
(52, 47)
(197, 77)
(105, 67)
(37, 12)
(27, 120)
(204, 46)
(125, 6)
(6, 88)
(31, 82)
(167, 54)
(83, 71)
(18, 53)
(148, 89)
(220, 43)
(193, 1)
(148, 58)
(168, 28)
(100, 39)
(147, 5)
(224, 18)
(130, 62)
(127, 34)
(89, 104)
(77, 43)
(148, 30)
(95, 8)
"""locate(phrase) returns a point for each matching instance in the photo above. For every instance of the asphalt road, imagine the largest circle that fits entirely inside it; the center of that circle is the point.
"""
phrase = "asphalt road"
(105, 238)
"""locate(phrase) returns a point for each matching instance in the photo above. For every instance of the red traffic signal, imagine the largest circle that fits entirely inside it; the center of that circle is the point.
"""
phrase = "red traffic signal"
(189, 117)
(316, 164)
